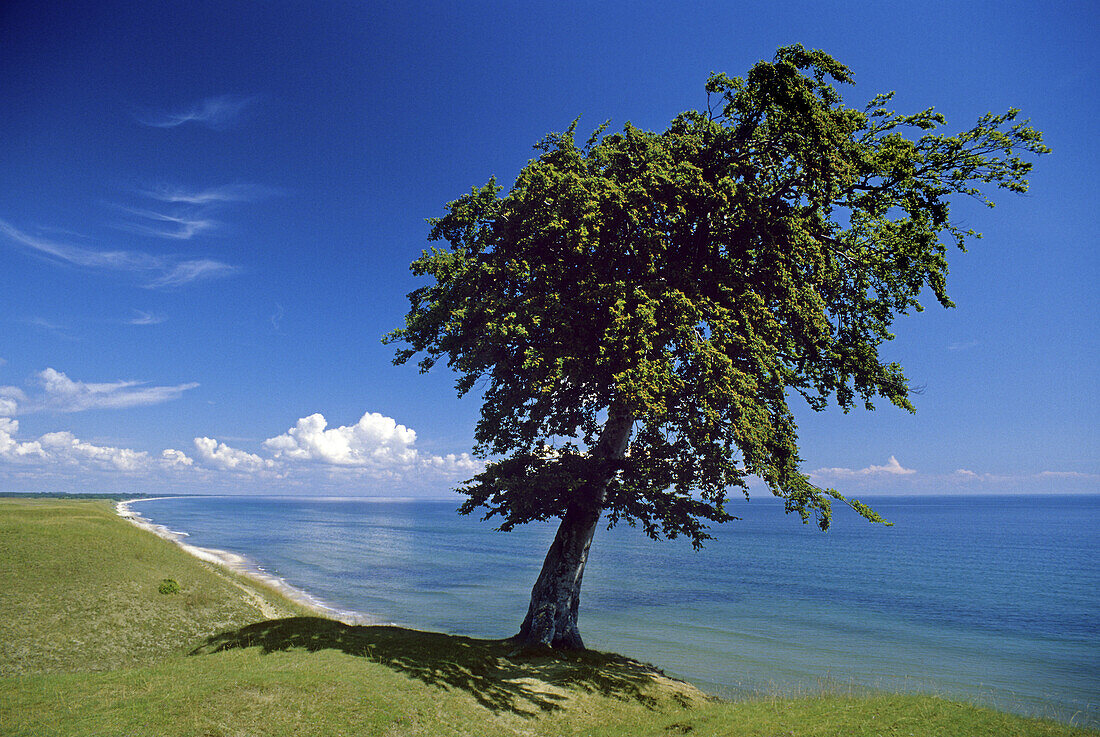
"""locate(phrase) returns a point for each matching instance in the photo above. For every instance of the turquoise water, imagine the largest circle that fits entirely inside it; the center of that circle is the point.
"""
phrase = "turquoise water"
(990, 599)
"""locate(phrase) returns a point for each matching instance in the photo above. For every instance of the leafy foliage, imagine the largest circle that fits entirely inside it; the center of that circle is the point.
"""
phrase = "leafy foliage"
(694, 278)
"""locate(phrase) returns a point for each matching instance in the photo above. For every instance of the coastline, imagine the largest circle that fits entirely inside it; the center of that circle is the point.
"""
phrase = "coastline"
(240, 565)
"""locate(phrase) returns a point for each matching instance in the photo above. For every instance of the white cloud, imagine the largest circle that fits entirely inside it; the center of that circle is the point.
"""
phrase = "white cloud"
(65, 449)
(1066, 475)
(172, 458)
(59, 393)
(966, 476)
(374, 440)
(80, 256)
(372, 454)
(12, 449)
(161, 271)
(186, 272)
(1021, 481)
(451, 463)
(892, 468)
(221, 456)
(10, 397)
(177, 226)
(141, 317)
(216, 113)
(277, 317)
(211, 195)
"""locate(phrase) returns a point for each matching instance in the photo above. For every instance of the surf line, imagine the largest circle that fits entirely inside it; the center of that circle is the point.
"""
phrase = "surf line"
(240, 565)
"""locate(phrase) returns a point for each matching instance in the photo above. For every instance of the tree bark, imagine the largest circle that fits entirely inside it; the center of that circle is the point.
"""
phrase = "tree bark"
(552, 615)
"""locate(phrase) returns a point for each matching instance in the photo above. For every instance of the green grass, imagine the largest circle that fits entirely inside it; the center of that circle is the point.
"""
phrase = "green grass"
(79, 589)
(88, 646)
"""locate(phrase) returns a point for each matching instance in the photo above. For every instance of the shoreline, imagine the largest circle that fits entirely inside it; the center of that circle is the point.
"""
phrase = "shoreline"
(240, 565)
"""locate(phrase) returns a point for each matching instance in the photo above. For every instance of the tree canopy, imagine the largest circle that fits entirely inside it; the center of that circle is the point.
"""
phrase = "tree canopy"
(693, 280)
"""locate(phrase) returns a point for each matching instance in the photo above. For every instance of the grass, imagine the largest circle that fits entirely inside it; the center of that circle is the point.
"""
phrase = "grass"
(89, 646)
(80, 591)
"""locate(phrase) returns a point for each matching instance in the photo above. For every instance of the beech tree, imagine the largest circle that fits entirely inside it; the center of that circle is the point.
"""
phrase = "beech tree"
(638, 310)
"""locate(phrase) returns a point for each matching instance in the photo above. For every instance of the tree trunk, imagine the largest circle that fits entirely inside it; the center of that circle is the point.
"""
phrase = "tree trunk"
(552, 616)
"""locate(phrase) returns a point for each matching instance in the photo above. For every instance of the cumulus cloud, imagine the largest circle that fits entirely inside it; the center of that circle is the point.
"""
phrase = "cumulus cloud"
(10, 397)
(64, 448)
(891, 468)
(216, 113)
(159, 271)
(12, 449)
(58, 393)
(172, 458)
(62, 451)
(221, 456)
(374, 440)
(451, 463)
(375, 443)
(374, 449)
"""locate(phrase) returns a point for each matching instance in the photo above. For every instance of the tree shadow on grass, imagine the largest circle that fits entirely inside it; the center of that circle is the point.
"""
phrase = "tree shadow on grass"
(500, 680)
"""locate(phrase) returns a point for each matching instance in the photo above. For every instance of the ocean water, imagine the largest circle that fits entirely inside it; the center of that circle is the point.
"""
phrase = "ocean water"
(994, 600)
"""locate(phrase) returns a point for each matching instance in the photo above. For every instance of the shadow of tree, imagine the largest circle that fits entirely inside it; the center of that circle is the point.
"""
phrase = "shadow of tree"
(496, 676)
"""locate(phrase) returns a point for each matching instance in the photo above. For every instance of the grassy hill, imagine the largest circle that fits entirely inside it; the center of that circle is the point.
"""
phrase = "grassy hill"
(89, 645)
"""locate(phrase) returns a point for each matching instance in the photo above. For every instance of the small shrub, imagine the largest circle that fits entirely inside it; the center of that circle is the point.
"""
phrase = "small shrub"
(168, 586)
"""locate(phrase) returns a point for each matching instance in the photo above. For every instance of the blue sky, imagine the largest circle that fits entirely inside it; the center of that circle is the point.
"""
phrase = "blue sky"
(207, 212)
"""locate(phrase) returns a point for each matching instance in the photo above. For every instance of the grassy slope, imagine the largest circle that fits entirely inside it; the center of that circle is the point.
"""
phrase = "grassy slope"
(89, 647)
(78, 589)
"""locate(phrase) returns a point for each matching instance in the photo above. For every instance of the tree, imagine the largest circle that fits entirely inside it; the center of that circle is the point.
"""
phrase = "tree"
(637, 310)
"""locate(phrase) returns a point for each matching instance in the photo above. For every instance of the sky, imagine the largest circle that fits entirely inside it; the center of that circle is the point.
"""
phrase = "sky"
(208, 209)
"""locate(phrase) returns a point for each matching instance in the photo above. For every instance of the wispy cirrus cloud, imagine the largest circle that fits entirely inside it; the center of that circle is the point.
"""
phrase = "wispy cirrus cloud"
(236, 192)
(277, 317)
(970, 479)
(181, 213)
(79, 255)
(159, 271)
(186, 272)
(61, 331)
(177, 226)
(141, 317)
(55, 392)
(1066, 475)
(216, 113)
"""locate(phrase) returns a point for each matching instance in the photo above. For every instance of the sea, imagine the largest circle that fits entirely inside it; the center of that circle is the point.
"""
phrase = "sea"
(989, 599)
